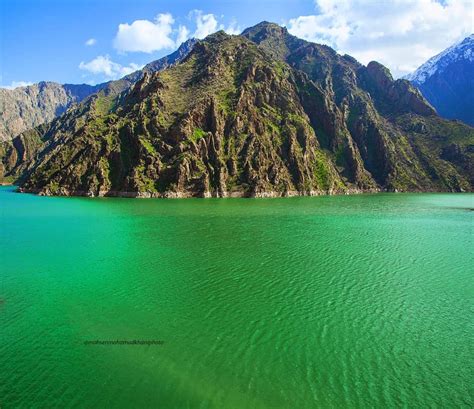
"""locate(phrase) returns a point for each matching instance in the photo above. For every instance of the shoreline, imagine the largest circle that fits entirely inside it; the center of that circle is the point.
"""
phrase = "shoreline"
(219, 195)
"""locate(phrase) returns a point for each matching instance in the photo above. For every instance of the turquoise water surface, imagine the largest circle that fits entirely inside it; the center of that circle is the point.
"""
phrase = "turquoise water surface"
(359, 301)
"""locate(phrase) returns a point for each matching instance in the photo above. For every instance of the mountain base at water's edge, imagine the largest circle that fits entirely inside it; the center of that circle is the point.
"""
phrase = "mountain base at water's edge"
(257, 115)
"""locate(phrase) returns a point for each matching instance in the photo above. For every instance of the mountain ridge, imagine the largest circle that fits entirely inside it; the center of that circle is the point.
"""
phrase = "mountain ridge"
(261, 114)
(447, 81)
(461, 49)
(24, 108)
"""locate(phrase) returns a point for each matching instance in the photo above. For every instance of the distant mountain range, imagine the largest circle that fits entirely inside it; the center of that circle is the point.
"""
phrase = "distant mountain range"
(447, 81)
(259, 114)
(24, 108)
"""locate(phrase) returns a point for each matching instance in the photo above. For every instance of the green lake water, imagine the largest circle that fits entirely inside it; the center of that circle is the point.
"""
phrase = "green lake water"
(326, 302)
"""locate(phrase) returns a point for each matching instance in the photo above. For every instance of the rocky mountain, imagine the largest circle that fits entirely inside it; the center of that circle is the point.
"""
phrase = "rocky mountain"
(447, 81)
(116, 87)
(24, 108)
(261, 114)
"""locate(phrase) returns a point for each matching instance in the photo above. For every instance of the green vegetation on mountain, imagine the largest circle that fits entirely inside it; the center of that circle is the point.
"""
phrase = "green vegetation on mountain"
(262, 114)
(24, 108)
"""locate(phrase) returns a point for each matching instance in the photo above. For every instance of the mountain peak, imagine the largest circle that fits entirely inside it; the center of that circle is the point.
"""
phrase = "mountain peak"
(446, 81)
(217, 36)
(265, 30)
(275, 39)
(462, 50)
(380, 72)
(267, 26)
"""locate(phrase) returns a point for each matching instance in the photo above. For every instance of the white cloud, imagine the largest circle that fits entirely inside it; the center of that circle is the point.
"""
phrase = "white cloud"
(16, 84)
(232, 28)
(146, 36)
(205, 24)
(103, 65)
(149, 36)
(208, 23)
(401, 34)
(183, 35)
(90, 42)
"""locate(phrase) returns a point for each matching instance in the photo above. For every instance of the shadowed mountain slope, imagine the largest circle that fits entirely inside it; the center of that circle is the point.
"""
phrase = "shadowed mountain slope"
(447, 81)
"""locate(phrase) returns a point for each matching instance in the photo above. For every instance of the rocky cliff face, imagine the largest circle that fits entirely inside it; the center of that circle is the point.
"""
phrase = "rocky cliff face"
(25, 108)
(447, 81)
(263, 114)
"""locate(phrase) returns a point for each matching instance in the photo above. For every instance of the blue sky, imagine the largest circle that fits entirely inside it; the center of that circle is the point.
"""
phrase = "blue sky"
(90, 41)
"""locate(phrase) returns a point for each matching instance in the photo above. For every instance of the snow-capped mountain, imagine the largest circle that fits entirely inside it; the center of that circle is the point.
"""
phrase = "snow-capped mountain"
(447, 81)
(464, 50)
